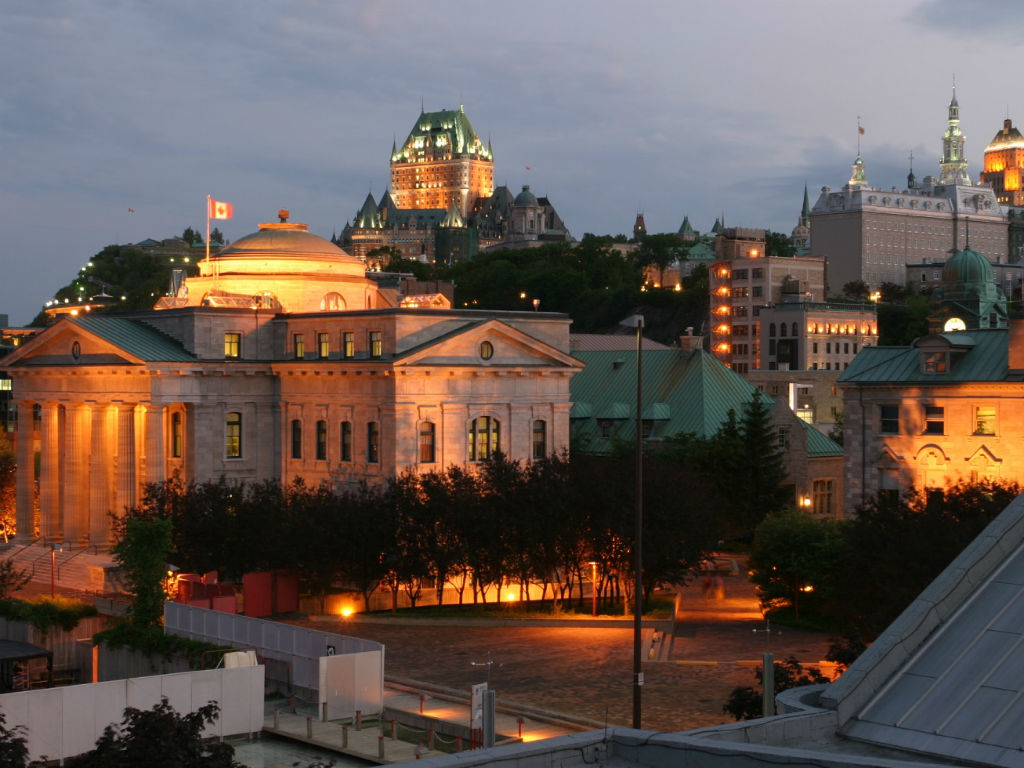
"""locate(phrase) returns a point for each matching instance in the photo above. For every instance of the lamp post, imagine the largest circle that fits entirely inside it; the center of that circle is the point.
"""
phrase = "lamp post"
(593, 584)
(638, 599)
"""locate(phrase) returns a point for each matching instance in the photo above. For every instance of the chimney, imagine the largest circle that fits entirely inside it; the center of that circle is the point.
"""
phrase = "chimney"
(1016, 342)
(688, 342)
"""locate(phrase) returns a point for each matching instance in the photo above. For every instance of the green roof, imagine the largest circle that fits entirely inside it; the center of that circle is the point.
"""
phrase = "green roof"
(134, 337)
(979, 355)
(683, 392)
(448, 130)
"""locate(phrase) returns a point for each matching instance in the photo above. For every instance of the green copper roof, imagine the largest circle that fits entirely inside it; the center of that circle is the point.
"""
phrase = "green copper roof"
(686, 228)
(976, 355)
(134, 337)
(701, 251)
(441, 133)
(453, 218)
(368, 216)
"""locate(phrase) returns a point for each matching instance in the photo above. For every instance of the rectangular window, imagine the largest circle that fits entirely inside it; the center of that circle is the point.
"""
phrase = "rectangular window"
(484, 438)
(985, 420)
(739, 274)
(814, 347)
(296, 439)
(757, 273)
(540, 439)
(376, 344)
(346, 441)
(321, 441)
(757, 291)
(299, 345)
(348, 343)
(232, 344)
(822, 493)
(372, 442)
(176, 435)
(934, 420)
(427, 442)
(233, 436)
(323, 346)
(889, 419)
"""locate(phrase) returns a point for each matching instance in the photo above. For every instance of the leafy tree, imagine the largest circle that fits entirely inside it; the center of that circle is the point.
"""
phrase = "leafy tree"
(192, 236)
(793, 559)
(658, 251)
(13, 745)
(892, 293)
(159, 738)
(141, 549)
(216, 236)
(856, 290)
(761, 473)
(11, 578)
(745, 702)
(900, 324)
(778, 244)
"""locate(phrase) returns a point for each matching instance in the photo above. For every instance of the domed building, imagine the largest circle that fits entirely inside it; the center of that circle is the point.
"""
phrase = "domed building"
(968, 298)
(281, 359)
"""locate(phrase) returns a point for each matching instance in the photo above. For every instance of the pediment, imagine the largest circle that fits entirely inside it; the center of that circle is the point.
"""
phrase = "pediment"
(489, 344)
(68, 344)
(983, 456)
(888, 459)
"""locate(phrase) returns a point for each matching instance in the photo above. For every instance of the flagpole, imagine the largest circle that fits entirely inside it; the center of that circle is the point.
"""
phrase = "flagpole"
(208, 198)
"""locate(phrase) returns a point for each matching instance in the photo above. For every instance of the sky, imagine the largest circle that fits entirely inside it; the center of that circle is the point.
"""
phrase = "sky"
(118, 117)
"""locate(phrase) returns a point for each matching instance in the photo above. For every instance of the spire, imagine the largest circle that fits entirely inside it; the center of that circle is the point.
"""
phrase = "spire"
(954, 163)
(805, 211)
(859, 177)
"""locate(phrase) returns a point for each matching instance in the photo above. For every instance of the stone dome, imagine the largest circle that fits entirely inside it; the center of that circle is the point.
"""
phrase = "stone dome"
(526, 198)
(284, 239)
(967, 267)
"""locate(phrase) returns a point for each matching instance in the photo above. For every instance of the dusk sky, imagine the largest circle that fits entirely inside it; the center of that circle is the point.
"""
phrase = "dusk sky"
(671, 108)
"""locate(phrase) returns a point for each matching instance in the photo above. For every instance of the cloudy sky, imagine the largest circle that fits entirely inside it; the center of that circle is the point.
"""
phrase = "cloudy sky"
(670, 108)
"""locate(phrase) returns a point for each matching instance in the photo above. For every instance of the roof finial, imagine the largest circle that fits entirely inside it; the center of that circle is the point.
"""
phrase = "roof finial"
(422, 107)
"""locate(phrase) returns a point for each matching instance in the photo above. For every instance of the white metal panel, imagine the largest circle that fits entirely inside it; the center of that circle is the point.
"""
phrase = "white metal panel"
(81, 717)
(44, 718)
(142, 692)
(178, 690)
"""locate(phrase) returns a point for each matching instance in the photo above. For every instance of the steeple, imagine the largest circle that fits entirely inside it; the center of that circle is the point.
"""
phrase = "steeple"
(805, 211)
(859, 177)
(911, 178)
(954, 163)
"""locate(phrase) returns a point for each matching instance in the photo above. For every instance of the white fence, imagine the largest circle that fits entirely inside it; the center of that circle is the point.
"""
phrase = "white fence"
(346, 673)
(63, 722)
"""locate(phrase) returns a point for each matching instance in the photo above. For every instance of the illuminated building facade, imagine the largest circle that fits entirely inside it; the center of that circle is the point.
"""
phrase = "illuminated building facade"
(279, 360)
(872, 234)
(815, 336)
(1004, 163)
(442, 163)
(743, 281)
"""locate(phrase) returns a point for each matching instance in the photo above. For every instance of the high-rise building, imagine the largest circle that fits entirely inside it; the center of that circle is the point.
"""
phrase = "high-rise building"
(871, 234)
(1004, 160)
(442, 162)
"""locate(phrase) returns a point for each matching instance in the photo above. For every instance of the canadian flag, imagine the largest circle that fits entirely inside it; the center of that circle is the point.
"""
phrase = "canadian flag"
(220, 210)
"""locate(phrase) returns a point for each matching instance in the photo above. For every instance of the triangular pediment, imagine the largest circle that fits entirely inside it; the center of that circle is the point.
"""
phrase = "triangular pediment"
(489, 343)
(887, 458)
(983, 457)
(68, 344)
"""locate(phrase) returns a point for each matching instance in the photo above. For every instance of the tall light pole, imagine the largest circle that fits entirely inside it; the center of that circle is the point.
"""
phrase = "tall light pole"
(593, 584)
(638, 582)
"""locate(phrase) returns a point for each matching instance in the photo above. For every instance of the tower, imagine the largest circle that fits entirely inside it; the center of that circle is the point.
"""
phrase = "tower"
(639, 227)
(442, 161)
(953, 163)
(1004, 160)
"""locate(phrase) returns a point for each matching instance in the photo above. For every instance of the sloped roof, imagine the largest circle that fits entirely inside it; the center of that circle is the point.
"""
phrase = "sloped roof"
(986, 360)
(134, 337)
(947, 677)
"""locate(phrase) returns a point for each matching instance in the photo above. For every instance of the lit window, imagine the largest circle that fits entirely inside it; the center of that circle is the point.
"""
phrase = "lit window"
(889, 419)
(540, 439)
(372, 442)
(323, 345)
(346, 441)
(233, 436)
(376, 344)
(484, 438)
(296, 439)
(232, 344)
(176, 435)
(985, 420)
(348, 343)
(486, 350)
(321, 441)
(299, 345)
(934, 420)
(427, 442)
(935, 362)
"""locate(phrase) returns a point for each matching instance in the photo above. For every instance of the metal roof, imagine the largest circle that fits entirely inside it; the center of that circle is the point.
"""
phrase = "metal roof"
(986, 360)
(135, 337)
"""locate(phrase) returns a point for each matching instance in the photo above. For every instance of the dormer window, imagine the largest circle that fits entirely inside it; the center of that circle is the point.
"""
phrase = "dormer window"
(935, 361)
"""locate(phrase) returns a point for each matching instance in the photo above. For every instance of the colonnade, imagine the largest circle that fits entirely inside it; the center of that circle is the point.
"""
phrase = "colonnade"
(94, 458)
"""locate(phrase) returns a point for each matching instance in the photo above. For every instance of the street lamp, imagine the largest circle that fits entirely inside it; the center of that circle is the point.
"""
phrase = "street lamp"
(53, 569)
(638, 600)
(593, 584)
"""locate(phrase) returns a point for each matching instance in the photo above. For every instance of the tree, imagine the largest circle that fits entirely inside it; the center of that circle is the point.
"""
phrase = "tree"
(658, 251)
(11, 579)
(216, 236)
(192, 237)
(159, 738)
(778, 244)
(757, 485)
(13, 745)
(856, 290)
(141, 549)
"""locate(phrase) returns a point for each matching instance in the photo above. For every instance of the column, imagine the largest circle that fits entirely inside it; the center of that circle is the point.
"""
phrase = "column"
(77, 429)
(49, 473)
(26, 481)
(155, 464)
(100, 476)
(126, 482)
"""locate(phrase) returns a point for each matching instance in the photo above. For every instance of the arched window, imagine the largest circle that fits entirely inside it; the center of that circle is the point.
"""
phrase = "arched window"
(427, 435)
(176, 435)
(372, 442)
(771, 330)
(782, 330)
(346, 441)
(794, 332)
(321, 441)
(540, 439)
(233, 435)
(484, 438)
(296, 439)
(332, 302)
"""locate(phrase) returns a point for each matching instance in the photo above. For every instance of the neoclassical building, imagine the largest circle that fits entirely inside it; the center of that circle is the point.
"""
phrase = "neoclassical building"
(279, 360)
